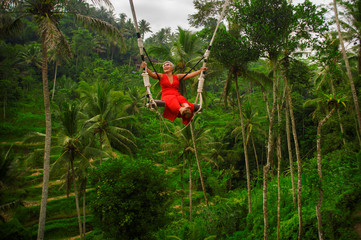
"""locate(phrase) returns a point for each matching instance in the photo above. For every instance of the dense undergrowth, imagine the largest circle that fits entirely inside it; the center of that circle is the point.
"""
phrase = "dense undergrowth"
(136, 173)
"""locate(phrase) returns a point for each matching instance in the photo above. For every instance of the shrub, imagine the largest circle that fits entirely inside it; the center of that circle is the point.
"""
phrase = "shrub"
(130, 198)
(13, 230)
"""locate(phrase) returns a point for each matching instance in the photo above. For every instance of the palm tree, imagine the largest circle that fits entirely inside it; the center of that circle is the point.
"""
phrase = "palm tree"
(75, 145)
(181, 145)
(30, 55)
(349, 74)
(104, 120)
(353, 33)
(71, 145)
(327, 103)
(235, 55)
(329, 58)
(136, 100)
(270, 144)
(163, 37)
(290, 156)
(8, 168)
(319, 168)
(297, 148)
(144, 27)
(279, 160)
(47, 15)
(59, 58)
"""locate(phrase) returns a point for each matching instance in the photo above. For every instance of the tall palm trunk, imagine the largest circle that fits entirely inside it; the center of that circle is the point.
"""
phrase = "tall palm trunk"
(267, 104)
(4, 105)
(319, 168)
(76, 195)
(279, 159)
(255, 155)
(359, 56)
(289, 146)
(338, 113)
(101, 147)
(225, 89)
(190, 188)
(268, 164)
(84, 208)
(298, 157)
(244, 146)
(353, 89)
(182, 190)
(297, 148)
(44, 195)
(84, 214)
(56, 71)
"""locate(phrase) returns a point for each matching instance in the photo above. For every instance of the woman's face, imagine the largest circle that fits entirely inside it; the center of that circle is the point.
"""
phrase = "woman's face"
(167, 67)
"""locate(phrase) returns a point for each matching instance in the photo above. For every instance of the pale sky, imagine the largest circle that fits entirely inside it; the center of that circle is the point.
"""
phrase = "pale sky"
(167, 13)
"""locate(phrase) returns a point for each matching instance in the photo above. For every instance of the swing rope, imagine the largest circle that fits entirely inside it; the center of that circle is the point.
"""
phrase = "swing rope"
(151, 103)
(206, 55)
(199, 165)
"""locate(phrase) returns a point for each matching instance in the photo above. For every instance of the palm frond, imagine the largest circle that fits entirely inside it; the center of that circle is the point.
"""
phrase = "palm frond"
(103, 27)
(9, 26)
(311, 102)
(47, 28)
(106, 2)
(259, 78)
(34, 137)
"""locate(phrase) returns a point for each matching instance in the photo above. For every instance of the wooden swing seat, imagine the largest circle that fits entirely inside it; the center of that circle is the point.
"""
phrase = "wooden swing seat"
(161, 103)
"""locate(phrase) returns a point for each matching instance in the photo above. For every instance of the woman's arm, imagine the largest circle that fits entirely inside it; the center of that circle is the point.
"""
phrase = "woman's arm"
(150, 73)
(192, 74)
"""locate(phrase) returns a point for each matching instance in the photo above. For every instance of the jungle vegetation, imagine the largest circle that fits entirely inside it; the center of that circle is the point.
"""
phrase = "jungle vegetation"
(278, 138)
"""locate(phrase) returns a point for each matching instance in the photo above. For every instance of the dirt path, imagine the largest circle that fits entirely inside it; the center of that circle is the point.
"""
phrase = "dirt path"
(36, 203)
(51, 183)
(77, 237)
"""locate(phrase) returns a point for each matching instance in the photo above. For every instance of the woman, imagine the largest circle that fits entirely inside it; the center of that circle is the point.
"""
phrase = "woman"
(175, 104)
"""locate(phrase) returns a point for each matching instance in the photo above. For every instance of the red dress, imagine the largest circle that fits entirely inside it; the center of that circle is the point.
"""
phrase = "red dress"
(173, 99)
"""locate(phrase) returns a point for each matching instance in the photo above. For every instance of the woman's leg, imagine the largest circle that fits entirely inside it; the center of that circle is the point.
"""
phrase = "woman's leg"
(186, 105)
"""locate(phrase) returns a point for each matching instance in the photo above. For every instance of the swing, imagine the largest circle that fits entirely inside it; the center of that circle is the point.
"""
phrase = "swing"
(154, 104)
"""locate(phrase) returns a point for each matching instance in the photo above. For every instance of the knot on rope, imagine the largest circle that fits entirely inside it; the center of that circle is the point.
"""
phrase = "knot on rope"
(152, 105)
(146, 79)
(206, 54)
(140, 43)
(200, 83)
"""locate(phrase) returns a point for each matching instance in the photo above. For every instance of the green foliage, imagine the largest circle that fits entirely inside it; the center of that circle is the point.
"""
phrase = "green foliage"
(341, 187)
(266, 23)
(135, 197)
(7, 165)
(232, 51)
(14, 230)
(130, 199)
(223, 217)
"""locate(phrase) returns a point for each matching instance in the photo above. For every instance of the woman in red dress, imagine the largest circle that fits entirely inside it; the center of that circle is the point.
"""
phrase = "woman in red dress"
(175, 104)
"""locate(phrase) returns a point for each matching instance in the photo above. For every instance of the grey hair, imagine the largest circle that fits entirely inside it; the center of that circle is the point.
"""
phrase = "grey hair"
(171, 64)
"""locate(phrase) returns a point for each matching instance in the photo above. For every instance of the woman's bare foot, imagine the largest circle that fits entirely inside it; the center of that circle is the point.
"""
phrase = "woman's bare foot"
(185, 111)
